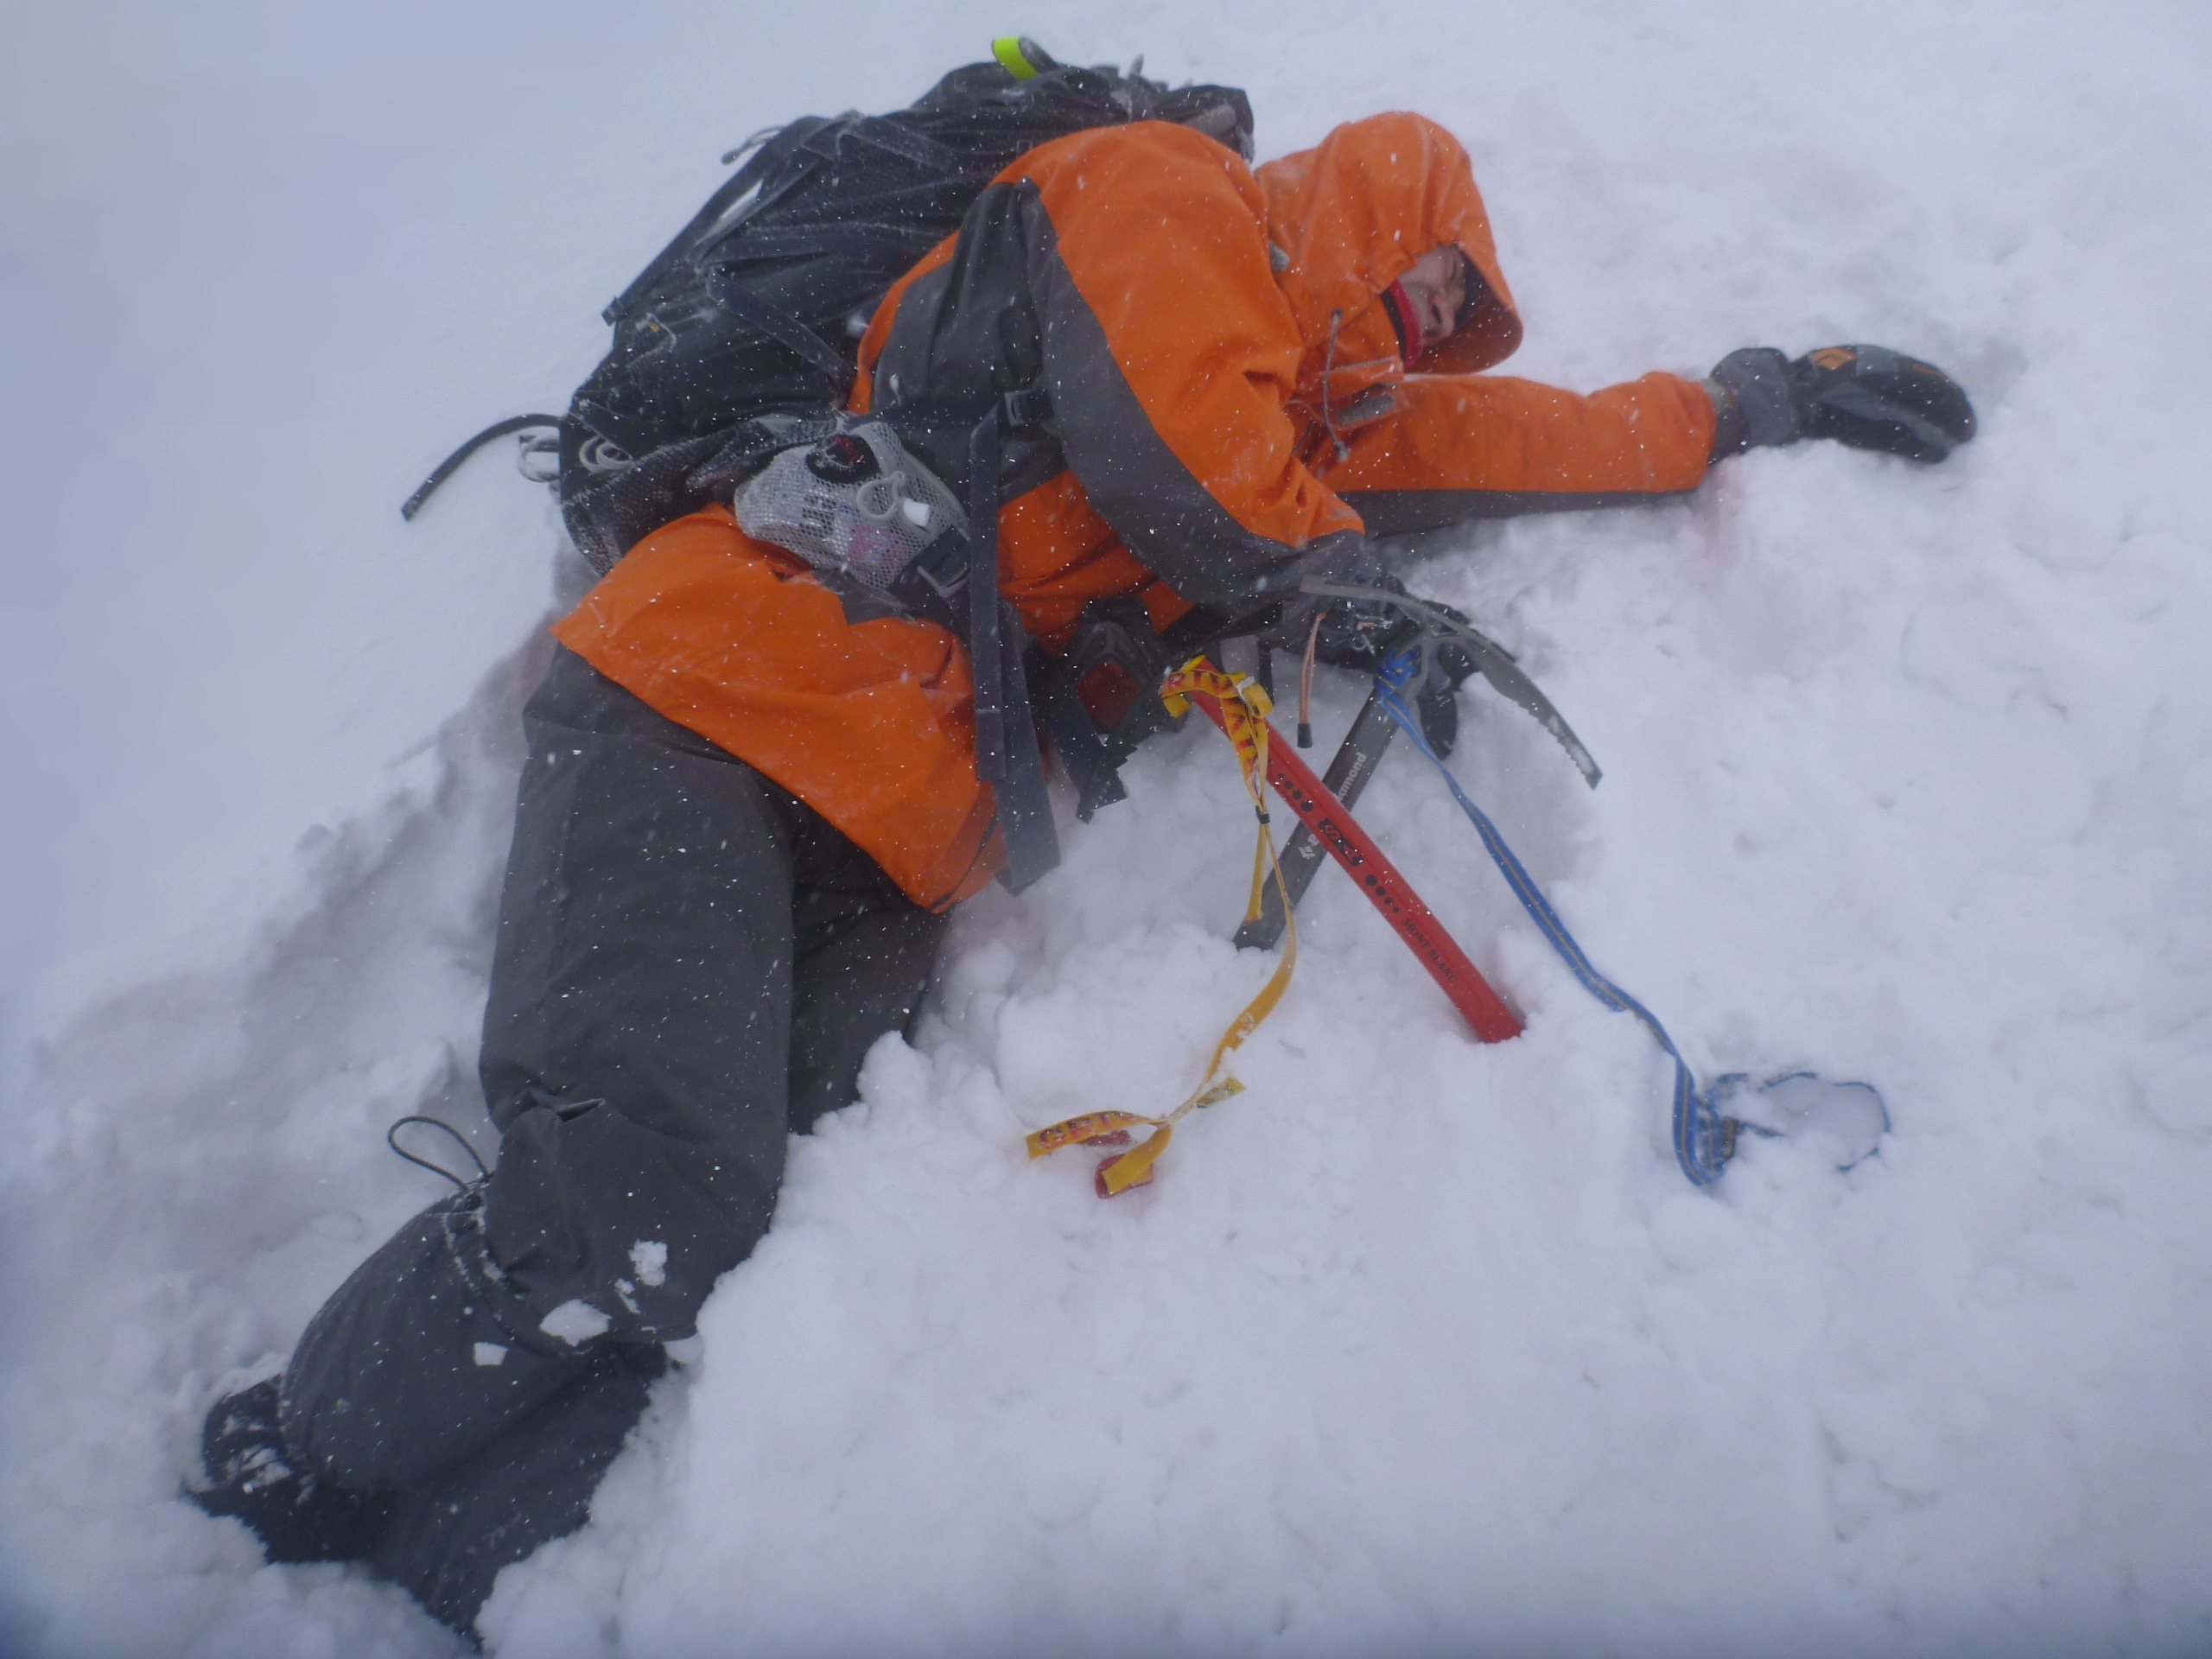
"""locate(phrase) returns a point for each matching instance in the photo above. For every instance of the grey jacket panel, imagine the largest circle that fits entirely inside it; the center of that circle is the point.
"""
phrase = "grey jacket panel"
(1004, 314)
(450, 1536)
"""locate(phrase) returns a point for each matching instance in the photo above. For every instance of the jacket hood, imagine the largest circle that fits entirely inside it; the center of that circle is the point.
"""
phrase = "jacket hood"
(1354, 212)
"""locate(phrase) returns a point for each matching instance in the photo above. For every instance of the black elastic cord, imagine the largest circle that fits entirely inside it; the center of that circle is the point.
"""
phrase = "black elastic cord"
(451, 464)
(392, 1139)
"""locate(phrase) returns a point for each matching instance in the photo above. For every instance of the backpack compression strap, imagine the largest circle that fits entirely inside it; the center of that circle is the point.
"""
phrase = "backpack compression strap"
(1007, 755)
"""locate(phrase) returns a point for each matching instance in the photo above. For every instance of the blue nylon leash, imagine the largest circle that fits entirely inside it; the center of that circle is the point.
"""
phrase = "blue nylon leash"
(1705, 1136)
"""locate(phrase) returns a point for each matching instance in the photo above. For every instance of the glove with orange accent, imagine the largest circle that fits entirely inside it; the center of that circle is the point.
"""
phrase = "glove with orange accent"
(1867, 397)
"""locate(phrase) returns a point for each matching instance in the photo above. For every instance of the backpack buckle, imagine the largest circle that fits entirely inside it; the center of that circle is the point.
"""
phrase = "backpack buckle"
(1025, 410)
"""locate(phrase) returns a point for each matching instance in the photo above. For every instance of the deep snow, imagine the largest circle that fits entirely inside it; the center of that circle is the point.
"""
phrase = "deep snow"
(1416, 1346)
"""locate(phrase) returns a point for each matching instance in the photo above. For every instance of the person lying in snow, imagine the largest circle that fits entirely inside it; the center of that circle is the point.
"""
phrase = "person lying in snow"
(750, 802)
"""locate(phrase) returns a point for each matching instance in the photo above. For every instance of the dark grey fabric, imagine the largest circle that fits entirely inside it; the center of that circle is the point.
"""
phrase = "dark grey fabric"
(1403, 512)
(1728, 429)
(1004, 314)
(449, 1537)
(691, 964)
(634, 1042)
(667, 911)
(1757, 381)
(419, 1360)
(865, 964)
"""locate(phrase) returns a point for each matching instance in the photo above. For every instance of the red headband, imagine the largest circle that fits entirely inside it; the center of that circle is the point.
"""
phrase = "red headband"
(1411, 342)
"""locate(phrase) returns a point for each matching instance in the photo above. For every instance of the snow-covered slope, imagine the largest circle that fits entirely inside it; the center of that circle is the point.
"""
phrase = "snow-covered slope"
(1417, 1346)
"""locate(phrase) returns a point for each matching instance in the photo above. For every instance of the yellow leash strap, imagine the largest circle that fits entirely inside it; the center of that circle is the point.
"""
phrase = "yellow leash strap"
(1245, 707)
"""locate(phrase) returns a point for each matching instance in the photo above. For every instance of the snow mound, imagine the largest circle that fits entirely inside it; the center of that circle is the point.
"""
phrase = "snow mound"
(1416, 1345)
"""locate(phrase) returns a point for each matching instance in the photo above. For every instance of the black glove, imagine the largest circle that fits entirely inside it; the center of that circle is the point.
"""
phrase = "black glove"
(1868, 397)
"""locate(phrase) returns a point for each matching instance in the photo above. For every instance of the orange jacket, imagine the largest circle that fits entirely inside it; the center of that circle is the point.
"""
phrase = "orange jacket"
(1228, 402)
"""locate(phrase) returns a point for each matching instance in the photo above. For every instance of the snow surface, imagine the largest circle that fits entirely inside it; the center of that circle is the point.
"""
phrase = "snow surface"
(574, 1323)
(1417, 1346)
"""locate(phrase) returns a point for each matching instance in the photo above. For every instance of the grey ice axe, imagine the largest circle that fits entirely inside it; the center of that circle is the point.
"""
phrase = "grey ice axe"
(1355, 759)
(1492, 661)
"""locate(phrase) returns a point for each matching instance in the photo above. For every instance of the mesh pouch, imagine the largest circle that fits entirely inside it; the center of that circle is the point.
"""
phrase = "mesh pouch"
(853, 502)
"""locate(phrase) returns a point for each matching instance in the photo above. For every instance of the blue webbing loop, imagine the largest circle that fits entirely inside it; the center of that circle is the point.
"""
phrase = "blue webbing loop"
(1704, 1137)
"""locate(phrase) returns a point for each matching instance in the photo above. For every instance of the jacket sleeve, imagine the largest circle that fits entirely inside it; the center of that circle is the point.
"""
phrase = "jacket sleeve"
(1126, 271)
(1489, 446)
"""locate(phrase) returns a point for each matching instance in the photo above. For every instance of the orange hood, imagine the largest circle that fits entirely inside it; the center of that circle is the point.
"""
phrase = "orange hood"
(1354, 212)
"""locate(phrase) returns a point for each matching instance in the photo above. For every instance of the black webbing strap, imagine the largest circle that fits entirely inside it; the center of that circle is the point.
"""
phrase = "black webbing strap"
(896, 138)
(902, 141)
(780, 326)
(1007, 755)
(698, 241)
(1083, 751)
(984, 597)
(1033, 846)
(882, 244)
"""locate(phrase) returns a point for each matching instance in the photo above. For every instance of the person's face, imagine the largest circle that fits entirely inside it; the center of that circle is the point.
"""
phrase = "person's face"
(1438, 287)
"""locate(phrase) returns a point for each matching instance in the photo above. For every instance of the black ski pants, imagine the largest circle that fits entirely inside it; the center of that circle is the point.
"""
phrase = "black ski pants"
(691, 965)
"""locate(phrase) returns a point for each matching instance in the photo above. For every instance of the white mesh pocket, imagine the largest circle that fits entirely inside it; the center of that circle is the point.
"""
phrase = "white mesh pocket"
(871, 529)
